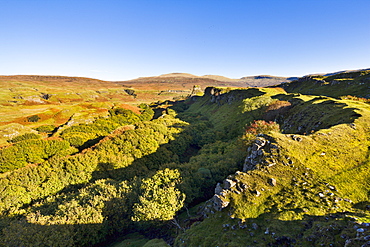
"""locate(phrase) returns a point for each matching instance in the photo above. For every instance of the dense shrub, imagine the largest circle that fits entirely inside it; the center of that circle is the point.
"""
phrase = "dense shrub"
(32, 151)
(86, 135)
(33, 118)
(261, 127)
(46, 128)
(24, 137)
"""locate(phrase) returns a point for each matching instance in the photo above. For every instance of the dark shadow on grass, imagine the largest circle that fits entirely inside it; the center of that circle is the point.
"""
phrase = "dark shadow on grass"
(306, 117)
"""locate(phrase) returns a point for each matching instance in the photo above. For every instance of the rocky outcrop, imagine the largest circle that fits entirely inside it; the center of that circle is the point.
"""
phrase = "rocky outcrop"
(230, 185)
(260, 153)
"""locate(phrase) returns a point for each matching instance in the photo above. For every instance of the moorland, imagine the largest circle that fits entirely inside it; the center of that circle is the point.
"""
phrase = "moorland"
(184, 160)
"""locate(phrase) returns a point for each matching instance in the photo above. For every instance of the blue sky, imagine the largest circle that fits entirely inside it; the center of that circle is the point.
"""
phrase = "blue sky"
(119, 40)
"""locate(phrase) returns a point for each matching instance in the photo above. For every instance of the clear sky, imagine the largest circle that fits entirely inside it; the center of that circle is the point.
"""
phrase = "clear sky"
(126, 39)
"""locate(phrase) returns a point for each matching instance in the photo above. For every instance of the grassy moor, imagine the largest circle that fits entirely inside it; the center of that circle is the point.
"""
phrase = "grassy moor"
(184, 160)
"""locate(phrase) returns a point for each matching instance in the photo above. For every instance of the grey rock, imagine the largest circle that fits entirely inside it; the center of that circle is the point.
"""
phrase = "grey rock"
(297, 138)
(219, 202)
(228, 184)
(218, 189)
(254, 226)
(272, 181)
(243, 186)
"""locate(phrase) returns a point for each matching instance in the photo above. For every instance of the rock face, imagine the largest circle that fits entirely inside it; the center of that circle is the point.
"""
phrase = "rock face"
(220, 199)
(259, 154)
(260, 149)
(228, 184)
(219, 202)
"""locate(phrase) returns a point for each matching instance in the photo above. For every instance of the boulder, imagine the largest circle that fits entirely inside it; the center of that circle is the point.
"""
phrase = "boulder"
(257, 193)
(218, 189)
(219, 202)
(228, 184)
(272, 181)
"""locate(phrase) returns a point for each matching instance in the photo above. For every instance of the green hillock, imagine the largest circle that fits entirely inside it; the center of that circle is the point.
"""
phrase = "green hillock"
(337, 85)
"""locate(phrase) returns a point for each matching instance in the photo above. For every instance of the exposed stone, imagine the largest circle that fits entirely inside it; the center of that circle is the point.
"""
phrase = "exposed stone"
(228, 184)
(243, 186)
(219, 202)
(224, 193)
(272, 181)
(260, 141)
(352, 125)
(254, 226)
(331, 187)
(297, 138)
(257, 193)
(273, 146)
(218, 189)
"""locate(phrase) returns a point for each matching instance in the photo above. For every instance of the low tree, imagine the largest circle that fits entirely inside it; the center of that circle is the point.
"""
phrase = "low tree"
(160, 199)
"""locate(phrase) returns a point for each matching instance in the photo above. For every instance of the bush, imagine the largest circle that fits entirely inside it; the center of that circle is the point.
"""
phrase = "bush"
(33, 118)
(46, 128)
(31, 151)
(24, 137)
(261, 127)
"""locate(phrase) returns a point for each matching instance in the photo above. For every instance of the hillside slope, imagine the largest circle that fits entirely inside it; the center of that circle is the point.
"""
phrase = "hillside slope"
(313, 178)
(353, 83)
(233, 167)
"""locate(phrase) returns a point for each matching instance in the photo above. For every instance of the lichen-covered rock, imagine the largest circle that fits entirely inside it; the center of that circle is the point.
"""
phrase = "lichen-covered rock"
(228, 184)
(219, 202)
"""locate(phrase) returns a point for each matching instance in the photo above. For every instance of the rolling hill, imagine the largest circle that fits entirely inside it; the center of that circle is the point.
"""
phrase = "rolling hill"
(284, 165)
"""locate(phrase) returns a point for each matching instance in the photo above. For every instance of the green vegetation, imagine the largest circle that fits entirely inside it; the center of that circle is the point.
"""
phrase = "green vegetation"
(234, 167)
(342, 84)
(26, 136)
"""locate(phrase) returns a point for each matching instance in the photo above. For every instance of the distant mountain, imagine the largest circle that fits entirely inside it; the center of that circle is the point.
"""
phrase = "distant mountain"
(185, 80)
